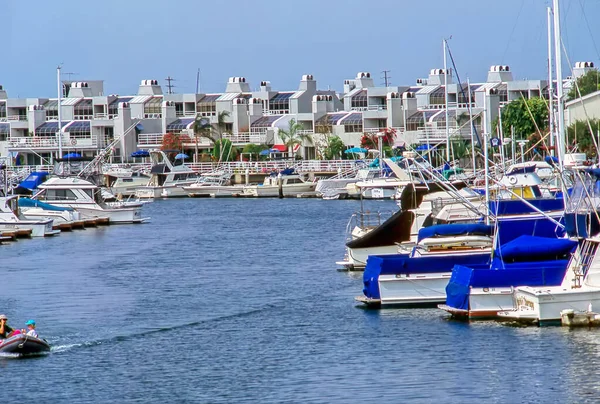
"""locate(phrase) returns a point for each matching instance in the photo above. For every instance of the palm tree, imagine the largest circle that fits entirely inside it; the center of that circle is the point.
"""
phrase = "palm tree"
(292, 136)
(214, 132)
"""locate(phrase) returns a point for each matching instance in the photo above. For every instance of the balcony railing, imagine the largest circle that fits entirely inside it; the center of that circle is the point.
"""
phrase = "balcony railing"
(102, 115)
(153, 116)
(276, 111)
(82, 117)
(155, 139)
(180, 114)
(46, 143)
(377, 108)
(245, 138)
(17, 117)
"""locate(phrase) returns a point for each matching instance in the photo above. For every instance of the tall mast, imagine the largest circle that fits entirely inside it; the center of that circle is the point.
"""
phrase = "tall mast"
(59, 85)
(472, 125)
(560, 140)
(446, 101)
(550, 85)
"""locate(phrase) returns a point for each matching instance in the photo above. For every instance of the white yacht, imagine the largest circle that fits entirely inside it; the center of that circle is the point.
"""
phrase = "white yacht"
(291, 186)
(167, 177)
(214, 184)
(11, 219)
(86, 198)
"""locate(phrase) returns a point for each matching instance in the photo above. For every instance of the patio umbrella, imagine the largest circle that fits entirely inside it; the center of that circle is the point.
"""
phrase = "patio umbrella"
(355, 150)
(266, 152)
(182, 156)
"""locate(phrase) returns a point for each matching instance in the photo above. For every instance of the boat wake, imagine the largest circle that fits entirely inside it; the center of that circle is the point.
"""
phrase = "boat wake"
(64, 347)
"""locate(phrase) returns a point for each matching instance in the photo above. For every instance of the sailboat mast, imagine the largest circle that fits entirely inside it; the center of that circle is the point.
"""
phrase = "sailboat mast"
(560, 141)
(550, 85)
(472, 125)
(446, 102)
(59, 85)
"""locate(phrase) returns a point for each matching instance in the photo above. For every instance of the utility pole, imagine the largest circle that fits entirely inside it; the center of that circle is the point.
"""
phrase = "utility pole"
(386, 77)
(169, 85)
(198, 81)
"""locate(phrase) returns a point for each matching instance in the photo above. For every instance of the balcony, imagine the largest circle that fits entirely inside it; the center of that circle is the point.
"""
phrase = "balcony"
(435, 135)
(22, 118)
(181, 114)
(39, 143)
(83, 117)
(276, 111)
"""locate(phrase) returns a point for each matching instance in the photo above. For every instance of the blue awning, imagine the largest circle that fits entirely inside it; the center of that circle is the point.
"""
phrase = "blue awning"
(50, 127)
(180, 124)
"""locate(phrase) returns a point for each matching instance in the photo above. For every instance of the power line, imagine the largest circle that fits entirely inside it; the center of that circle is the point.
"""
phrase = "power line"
(169, 85)
(386, 77)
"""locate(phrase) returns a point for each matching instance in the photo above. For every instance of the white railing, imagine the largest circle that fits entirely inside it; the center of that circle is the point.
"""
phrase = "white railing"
(17, 117)
(377, 108)
(276, 111)
(45, 143)
(82, 117)
(152, 116)
(359, 109)
(306, 132)
(180, 114)
(155, 139)
(245, 138)
(101, 116)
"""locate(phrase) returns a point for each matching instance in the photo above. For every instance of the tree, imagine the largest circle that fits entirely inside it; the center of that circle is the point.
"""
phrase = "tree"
(578, 134)
(588, 83)
(172, 141)
(517, 115)
(224, 150)
(334, 148)
(292, 136)
(203, 128)
(371, 141)
(255, 149)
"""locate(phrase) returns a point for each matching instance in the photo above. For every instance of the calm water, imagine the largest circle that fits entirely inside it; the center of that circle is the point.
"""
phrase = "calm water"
(239, 301)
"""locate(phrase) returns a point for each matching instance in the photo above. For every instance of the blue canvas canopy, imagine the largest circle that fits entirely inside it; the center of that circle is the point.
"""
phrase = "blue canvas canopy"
(72, 156)
(140, 153)
(530, 248)
(32, 203)
(454, 230)
(34, 179)
(522, 170)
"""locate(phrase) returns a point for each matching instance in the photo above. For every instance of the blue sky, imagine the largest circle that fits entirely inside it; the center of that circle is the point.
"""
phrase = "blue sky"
(125, 41)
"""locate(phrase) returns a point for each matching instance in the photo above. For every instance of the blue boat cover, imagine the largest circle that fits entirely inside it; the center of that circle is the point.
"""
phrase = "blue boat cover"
(31, 203)
(34, 179)
(455, 230)
(529, 248)
(402, 264)
(540, 273)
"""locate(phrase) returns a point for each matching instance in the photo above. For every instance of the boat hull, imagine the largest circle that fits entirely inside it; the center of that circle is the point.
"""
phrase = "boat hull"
(156, 192)
(22, 344)
(262, 191)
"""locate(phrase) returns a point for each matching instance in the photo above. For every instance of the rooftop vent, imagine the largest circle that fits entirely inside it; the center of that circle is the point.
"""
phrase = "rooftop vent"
(149, 83)
(363, 75)
(123, 105)
(238, 101)
(500, 68)
(584, 64)
(237, 79)
(307, 77)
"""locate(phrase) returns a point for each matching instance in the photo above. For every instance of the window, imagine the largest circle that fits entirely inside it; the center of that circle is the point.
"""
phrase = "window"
(83, 110)
(359, 101)
(153, 108)
(179, 109)
(2, 110)
(438, 97)
(60, 195)
(280, 104)
(207, 106)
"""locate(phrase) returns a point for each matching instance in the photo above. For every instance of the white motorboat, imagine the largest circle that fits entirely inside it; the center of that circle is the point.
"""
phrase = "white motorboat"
(123, 182)
(11, 219)
(65, 219)
(168, 176)
(291, 185)
(214, 184)
(86, 198)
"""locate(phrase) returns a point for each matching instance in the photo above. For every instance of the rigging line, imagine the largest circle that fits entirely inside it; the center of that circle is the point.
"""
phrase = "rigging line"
(462, 90)
(587, 24)
(512, 31)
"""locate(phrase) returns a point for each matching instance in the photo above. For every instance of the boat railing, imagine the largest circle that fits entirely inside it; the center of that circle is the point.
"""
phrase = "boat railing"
(366, 220)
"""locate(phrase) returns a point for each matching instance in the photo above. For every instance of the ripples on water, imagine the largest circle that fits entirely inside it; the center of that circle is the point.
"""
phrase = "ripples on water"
(234, 300)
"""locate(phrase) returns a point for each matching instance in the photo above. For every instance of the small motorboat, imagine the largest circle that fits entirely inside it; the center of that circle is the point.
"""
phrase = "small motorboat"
(23, 344)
